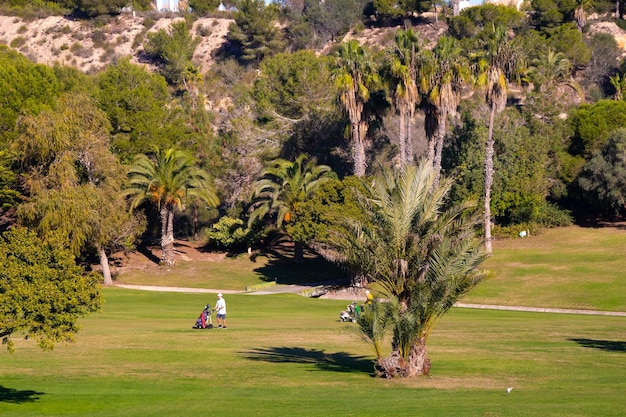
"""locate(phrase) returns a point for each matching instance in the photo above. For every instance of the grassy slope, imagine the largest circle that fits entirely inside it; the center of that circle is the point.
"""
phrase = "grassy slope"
(570, 267)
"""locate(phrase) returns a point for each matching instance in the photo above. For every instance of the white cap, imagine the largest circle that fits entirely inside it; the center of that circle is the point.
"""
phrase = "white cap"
(219, 295)
(367, 291)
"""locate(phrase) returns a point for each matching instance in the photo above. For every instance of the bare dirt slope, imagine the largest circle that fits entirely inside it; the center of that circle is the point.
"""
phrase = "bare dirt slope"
(89, 48)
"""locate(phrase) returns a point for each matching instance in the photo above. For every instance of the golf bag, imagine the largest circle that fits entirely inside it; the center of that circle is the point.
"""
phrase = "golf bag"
(204, 321)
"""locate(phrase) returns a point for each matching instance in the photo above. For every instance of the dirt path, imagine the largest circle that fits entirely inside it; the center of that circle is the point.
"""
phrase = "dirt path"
(296, 289)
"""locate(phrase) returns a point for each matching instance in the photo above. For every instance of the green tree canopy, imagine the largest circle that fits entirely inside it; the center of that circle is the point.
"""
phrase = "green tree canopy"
(254, 34)
(173, 49)
(137, 104)
(74, 180)
(473, 20)
(25, 88)
(603, 179)
(294, 86)
(43, 292)
(592, 124)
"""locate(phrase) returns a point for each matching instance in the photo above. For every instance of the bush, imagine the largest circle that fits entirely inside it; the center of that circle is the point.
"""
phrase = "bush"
(18, 42)
(229, 233)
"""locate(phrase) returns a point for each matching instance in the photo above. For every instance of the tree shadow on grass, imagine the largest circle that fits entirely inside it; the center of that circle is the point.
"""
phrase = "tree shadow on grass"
(312, 271)
(335, 362)
(608, 345)
(10, 395)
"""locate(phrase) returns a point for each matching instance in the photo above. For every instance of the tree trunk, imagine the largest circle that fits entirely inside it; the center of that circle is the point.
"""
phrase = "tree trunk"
(298, 252)
(440, 135)
(402, 137)
(456, 10)
(195, 222)
(167, 235)
(409, 138)
(489, 181)
(394, 365)
(104, 263)
(358, 146)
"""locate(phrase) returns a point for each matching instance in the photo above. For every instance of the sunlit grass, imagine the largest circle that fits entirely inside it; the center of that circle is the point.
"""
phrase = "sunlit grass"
(570, 267)
(289, 355)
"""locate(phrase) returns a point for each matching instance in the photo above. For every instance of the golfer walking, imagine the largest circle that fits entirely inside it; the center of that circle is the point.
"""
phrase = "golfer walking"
(220, 308)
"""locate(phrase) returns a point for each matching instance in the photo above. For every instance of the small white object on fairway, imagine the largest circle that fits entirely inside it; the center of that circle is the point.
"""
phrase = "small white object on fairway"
(509, 389)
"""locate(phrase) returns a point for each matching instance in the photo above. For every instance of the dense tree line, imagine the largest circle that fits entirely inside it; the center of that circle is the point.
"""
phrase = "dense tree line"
(521, 109)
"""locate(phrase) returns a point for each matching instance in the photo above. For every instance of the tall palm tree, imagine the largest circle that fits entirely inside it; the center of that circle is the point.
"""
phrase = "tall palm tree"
(354, 77)
(284, 185)
(497, 58)
(168, 180)
(403, 75)
(444, 74)
(421, 253)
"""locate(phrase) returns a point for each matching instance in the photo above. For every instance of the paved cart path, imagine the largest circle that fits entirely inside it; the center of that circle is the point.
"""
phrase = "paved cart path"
(296, 289)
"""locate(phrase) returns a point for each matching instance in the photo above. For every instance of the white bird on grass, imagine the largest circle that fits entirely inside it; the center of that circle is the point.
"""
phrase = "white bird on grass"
(509, 389)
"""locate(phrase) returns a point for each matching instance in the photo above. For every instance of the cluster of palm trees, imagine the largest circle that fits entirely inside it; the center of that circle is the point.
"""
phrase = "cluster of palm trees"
(432, 79)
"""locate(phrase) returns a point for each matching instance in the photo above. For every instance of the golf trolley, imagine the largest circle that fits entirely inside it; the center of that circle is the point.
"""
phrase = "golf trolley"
(351, 313)
(205, 321)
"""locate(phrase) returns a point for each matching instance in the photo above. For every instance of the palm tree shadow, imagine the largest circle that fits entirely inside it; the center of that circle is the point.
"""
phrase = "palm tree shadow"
(10, 395)
(146, 250)
(334, 362)
(607, 345)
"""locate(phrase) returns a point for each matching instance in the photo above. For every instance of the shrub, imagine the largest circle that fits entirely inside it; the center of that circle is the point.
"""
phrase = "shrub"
(229, 233)
(18, 42)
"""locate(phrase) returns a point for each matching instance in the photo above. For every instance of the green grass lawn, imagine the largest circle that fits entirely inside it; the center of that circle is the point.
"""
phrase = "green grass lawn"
(287, 355)
(571, 267)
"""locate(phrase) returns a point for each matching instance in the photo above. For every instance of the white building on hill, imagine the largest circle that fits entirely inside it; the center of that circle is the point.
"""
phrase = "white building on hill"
(166, 5)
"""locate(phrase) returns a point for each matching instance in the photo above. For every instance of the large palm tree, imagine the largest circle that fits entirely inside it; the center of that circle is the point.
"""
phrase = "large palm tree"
(284, 185)
(354, 77)
(423, 255)
(168, 180)
(497, 58)
(403, 77)
(443, 74)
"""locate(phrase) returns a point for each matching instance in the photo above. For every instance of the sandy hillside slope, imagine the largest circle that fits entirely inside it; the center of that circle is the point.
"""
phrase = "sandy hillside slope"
(88, 48)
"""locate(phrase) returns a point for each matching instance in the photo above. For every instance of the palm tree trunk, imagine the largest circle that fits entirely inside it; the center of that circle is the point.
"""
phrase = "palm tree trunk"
(358, 146)
(440, 135)
(195, 222)
(489, 181)
(394, 365)
(409, 138)
(104, 263)
(167, 235)
(431, 149)
(402, 137)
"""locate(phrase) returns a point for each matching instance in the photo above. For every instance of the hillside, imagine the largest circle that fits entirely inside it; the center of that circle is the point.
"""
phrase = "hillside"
(83, 45)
